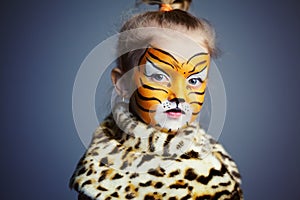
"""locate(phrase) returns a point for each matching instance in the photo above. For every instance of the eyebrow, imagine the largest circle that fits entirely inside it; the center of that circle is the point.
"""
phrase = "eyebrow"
(155, 57)
(198, 72)
(170, 55)
(156, 67)
(164, 52)
(198, 64)
(197, 54)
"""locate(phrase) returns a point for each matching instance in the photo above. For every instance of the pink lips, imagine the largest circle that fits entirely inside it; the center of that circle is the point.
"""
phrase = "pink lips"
(174, 113)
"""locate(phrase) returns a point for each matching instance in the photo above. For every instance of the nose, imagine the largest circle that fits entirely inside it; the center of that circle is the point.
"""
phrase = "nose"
(177, 100)
(178, 91)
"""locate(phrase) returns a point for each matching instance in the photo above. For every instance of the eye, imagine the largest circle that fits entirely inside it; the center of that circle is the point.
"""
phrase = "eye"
(159, 77)
(155, 73)
(195, 81)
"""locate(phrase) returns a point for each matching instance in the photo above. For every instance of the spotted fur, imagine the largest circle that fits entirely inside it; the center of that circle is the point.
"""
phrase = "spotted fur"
(129, 160)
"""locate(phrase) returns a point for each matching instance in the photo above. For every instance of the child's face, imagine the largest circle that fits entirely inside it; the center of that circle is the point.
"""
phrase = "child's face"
(170, 88)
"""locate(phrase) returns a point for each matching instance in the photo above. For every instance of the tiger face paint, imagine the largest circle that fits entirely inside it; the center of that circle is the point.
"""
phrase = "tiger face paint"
(169, 93)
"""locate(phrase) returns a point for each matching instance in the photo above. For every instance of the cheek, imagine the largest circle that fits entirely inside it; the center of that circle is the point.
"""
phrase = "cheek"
(146, 102)
(146, 109)
(196, 101)
(197, 106)
(150, 96)
(148, 118)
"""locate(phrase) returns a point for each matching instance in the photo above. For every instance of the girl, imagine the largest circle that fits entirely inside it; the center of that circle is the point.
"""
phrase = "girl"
(152, 147)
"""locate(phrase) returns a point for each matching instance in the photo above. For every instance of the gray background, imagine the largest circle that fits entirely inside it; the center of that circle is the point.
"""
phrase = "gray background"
(44, 42)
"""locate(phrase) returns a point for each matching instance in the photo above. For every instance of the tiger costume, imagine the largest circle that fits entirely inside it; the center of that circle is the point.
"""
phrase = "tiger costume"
(152, 148)
(137, 161)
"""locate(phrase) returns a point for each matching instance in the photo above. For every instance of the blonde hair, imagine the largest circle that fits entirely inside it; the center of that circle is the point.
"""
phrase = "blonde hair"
(176, 19)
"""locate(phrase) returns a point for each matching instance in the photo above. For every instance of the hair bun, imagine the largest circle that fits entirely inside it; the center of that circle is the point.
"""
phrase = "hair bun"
(175, 4)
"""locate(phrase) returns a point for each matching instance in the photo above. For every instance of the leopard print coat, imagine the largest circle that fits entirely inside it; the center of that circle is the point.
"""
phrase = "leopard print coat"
(129, 160)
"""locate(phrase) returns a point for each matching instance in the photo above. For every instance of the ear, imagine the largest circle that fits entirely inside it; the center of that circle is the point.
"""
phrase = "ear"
(116, 75)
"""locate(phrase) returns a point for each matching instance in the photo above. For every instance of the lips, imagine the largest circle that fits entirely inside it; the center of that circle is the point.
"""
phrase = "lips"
(174, 113)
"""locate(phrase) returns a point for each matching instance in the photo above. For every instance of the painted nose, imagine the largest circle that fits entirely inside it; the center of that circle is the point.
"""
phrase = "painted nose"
(177, 100)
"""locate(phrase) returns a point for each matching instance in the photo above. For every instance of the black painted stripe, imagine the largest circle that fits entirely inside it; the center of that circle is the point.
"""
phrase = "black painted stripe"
(142, 108)
(158, 59)
(197, 54)
(146, 98)
(197, 102)
(151, 88)
(158, 68)
(197, 73)
(197, 65)
(197, 93)
(166, 53)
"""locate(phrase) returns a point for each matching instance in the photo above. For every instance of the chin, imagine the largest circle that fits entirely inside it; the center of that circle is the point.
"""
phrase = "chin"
(170, 125)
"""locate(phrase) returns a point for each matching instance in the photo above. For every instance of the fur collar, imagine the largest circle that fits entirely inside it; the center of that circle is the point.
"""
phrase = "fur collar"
(126, 154)
(128, 130)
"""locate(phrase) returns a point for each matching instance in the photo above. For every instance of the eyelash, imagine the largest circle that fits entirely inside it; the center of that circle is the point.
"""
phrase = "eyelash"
(163, 78)
(158, 77)
(199, 81)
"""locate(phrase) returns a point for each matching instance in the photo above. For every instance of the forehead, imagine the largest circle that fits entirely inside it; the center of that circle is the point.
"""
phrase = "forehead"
(180, 46)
